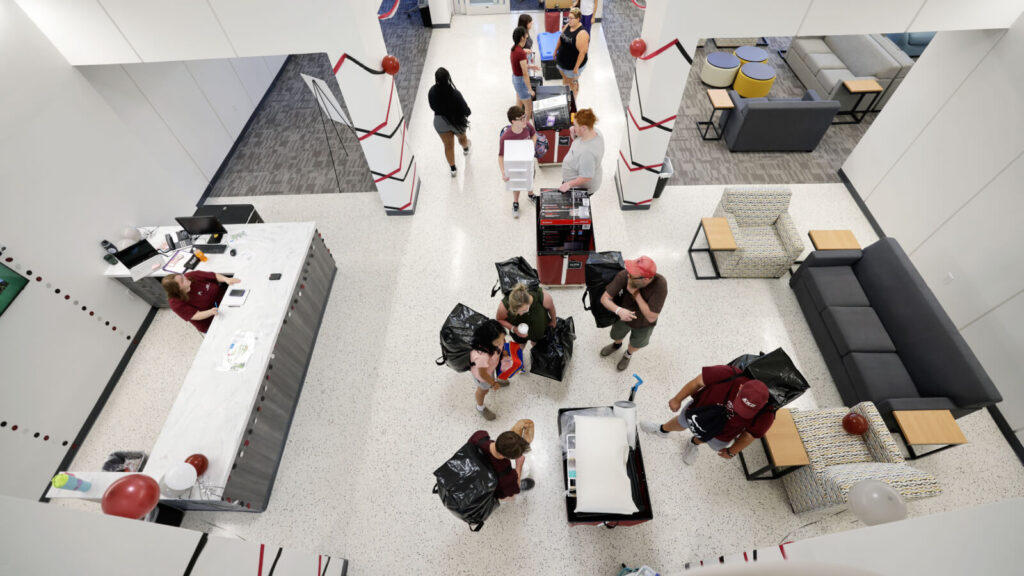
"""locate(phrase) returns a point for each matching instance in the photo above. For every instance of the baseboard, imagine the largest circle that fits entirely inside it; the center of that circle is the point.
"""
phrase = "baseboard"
(102, 400)
(448, 25)
(245, 130)
(1007, 431)
(860, 204)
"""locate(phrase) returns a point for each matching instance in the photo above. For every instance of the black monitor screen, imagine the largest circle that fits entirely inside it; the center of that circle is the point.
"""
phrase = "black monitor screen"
(11, 284)
(201, 225)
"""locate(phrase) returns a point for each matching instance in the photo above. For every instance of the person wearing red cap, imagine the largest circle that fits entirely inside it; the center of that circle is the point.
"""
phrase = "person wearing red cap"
(636, 295)
(746, 408)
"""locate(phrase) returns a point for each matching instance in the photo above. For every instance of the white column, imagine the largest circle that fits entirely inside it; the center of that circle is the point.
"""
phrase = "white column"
(658, 81)
(371, 97)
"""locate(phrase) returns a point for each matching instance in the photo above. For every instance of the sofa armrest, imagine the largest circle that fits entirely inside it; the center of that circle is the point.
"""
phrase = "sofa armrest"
(878, 439)
(790, 238)
(819, 258)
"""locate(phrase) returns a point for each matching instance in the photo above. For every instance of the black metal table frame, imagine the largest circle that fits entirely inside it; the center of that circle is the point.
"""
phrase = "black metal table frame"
(915, 455)
(710, 122)
(853, 111)
(691, 250)
(759, 474)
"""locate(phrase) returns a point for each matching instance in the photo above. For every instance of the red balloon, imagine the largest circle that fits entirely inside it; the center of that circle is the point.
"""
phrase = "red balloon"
(637, 47)
(199, 462)
(132, 496)
(390, 64)
(854, 423)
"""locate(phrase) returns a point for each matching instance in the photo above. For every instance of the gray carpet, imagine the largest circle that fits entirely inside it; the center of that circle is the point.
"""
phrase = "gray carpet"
(621, 23)
(406, 39)
(286, 149)
(526, 6)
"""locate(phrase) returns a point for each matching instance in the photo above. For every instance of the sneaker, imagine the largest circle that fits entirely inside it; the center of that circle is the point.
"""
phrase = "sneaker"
(690, 453)
(527, 484)
(468, 146)
(532, 197)
(623, 363)
(454, 171)
(515, 209)
(487, 414)
(653, 428)
(607, 350)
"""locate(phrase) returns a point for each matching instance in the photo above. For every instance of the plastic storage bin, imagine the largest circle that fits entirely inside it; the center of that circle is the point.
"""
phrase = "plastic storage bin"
(666, 173)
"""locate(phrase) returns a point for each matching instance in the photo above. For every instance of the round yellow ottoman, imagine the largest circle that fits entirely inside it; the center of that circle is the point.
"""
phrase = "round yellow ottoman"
(754, 80)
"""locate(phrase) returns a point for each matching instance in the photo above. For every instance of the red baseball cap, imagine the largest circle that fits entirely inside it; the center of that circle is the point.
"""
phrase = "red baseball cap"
(750, 398)
(642, 266)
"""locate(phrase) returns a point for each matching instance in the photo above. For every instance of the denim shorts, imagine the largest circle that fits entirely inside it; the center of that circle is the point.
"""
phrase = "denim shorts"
(522, 90)
(570, 74)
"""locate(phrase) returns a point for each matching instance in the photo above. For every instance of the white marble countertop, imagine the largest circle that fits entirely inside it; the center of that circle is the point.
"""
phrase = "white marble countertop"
(212, 409)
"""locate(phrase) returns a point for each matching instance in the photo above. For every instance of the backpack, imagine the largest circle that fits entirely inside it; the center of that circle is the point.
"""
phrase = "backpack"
(467, 486)
(707, 422)
(515, 271)
(600, 270)
(457, 337)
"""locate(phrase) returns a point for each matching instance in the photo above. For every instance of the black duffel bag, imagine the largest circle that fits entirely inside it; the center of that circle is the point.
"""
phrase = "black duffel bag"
(466, 484)
(514, 271)
(551, 356)
(785, 383)
(457, 337)
(601, 269)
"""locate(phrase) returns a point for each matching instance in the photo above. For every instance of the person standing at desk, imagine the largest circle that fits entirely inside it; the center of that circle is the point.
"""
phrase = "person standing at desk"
(195, 295)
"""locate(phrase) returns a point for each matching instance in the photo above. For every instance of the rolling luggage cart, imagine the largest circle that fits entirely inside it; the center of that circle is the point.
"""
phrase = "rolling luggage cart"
(565, 236)
(552, 117)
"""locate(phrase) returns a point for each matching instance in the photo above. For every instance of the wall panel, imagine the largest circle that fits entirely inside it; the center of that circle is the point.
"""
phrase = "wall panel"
(225, 93)
(161, 30)
(81, 30)
(997, 340)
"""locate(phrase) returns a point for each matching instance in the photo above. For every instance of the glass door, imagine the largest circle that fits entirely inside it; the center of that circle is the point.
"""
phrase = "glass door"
(483, 6)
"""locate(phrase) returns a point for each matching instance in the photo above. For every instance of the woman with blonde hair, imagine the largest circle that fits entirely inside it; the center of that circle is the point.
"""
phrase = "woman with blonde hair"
(530, 306)
(571, 52)
(581, 167)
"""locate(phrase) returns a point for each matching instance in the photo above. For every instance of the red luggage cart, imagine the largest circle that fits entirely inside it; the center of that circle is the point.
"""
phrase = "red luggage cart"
(565, 236)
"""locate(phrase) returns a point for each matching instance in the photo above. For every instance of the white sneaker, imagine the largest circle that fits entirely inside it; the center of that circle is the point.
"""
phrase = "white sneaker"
(465, 150)
(454, 171)
(690, 452)
(653, 428)
(515, 209)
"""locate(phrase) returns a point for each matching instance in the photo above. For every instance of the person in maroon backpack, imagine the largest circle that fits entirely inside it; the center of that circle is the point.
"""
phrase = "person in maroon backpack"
(508, 447)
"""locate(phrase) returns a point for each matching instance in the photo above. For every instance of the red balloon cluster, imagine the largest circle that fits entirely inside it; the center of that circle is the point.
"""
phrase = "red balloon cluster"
(390, 64)
(637, 47)
(132, 496)
(199, 462)
(854, 423)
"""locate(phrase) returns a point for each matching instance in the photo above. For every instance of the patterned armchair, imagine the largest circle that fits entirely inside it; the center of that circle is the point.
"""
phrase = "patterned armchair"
(766, 239)
(839, 460)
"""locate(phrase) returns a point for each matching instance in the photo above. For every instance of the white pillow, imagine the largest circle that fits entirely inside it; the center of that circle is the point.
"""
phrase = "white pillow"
(602, 485)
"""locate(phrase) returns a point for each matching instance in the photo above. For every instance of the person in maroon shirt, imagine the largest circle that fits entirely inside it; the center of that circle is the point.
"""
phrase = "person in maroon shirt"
(745, 401)
(511, 445)
(195, 295)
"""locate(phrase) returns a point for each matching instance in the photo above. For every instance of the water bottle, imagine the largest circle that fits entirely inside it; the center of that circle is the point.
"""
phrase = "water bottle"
(66, 481)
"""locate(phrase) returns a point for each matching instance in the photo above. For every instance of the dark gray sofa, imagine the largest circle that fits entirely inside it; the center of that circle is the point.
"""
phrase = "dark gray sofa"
(884, 336)
(776, 124)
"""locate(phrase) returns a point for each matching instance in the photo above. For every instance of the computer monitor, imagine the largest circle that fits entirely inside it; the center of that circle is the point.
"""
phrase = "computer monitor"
(202, 225)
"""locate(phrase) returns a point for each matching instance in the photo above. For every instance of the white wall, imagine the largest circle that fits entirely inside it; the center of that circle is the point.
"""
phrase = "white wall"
(441, 11)
(940, 169)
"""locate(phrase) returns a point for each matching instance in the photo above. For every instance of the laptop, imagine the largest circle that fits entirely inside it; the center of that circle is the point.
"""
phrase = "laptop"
(141, 259)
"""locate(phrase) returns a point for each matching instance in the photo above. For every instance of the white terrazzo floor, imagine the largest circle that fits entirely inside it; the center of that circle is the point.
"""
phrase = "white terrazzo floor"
(377, 416)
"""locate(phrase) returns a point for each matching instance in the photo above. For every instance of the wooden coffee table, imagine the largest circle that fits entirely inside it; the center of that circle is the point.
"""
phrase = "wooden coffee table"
(833, 240)
(719, 238)
(862, 88)
(783, 448)
(928, 427)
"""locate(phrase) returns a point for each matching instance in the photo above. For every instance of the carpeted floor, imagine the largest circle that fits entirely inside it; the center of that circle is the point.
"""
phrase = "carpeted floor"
(286, 149)
(525, 5)
(406, 39)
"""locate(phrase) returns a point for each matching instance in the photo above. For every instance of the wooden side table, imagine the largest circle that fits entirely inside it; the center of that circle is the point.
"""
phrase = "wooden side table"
(783, 448)
(719, 101)
(932, 427)
(862, 88)
(833, 240)
(719, 238)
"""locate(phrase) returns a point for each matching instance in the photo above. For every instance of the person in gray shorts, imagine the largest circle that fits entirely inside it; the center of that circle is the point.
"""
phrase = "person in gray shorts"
(636, 295)
(451, 115)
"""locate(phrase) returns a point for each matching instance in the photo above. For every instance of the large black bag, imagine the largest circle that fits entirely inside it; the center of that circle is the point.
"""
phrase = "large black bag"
(466, 484)
(707, 422)
(457, 337)
(514, 271)
(600, 270)
(551, 355)
(785, 383)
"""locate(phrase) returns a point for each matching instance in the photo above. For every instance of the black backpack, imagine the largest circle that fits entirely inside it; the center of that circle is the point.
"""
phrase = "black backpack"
(785, 383)
(467, 486)
(515, 271)
(707, 422)
(601, 269)
(457, 337)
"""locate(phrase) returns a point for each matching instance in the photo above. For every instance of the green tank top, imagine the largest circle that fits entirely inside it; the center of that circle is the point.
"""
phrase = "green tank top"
(536, 317)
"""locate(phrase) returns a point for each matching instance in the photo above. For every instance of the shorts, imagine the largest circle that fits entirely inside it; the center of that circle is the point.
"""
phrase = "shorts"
(442, 125)
(638, 337)
(481, 385)
(522, 90)
(715, 444)
(569, 73)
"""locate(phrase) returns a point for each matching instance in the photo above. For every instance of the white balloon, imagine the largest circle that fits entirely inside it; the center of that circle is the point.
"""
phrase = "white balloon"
(873, 502)
(131, 233)
(180, 477)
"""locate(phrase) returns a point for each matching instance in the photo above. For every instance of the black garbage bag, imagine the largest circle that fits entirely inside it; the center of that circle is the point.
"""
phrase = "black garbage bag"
(514, 271)
(466, 484)
(551, 356)
(600, 270)
(777, 371)
(457, 337)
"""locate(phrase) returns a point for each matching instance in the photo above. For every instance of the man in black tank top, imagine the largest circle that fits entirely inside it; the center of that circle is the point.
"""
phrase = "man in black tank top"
(571, 51)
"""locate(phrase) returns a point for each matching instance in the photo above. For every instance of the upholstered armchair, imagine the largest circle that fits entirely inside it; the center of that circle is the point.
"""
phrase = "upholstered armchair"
(839, 460)
(766, 239)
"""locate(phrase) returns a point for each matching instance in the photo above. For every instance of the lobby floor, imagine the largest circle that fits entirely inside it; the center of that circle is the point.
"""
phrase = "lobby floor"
(377, 416)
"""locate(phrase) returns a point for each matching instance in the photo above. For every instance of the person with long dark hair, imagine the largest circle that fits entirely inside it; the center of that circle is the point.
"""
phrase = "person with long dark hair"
(451, 115)
(521, 72)
(484, 358)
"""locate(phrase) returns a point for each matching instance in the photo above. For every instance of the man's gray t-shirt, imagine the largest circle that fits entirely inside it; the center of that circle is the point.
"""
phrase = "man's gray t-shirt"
(584, 159)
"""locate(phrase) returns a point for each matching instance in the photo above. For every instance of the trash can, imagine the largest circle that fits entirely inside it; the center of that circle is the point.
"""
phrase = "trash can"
(666, 173)
(424, 6)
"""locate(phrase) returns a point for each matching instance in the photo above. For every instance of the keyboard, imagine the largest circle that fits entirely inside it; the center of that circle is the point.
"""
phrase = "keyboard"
(212, 248)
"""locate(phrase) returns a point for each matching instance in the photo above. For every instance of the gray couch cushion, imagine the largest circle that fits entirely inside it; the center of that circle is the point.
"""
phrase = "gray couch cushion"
(830, 78)
(818, 62)
(805, 46)
(856, 329)
(877, 376)
(863, 55)
(834, 286)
